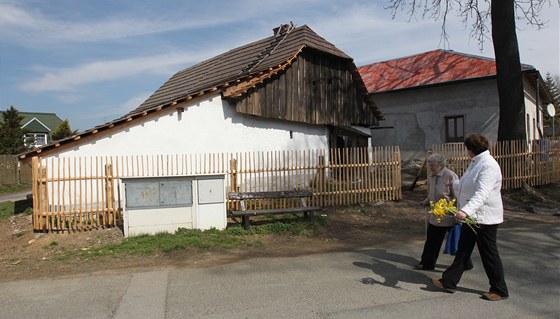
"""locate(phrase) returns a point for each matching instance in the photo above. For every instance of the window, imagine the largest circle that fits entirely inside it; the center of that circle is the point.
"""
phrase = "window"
(454, 129)
(35, 139)
(534, 129)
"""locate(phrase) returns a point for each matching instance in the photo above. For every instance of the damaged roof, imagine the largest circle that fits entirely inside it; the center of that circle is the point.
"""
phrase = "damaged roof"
(233, 71)
(240, 63)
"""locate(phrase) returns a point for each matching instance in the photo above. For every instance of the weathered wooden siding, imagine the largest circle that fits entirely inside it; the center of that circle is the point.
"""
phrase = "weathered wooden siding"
(317, 88)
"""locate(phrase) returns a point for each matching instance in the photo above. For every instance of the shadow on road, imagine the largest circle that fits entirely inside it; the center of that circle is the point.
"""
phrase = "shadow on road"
(389, 266)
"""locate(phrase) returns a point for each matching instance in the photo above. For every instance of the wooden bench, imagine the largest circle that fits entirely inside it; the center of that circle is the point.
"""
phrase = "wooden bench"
(245, 213)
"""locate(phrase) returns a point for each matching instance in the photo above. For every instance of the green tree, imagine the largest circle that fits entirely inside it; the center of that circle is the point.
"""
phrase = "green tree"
(11, 133)
(502, 15)
(63, 130)
(553, 85)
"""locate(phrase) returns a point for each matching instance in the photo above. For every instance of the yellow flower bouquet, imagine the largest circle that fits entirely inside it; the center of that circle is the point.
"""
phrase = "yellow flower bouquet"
(447, 208)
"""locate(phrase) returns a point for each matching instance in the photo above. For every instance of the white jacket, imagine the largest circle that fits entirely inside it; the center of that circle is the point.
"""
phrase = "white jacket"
(478, 190)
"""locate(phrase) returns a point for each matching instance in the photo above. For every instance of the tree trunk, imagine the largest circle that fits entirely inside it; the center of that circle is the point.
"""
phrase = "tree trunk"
(508, 68)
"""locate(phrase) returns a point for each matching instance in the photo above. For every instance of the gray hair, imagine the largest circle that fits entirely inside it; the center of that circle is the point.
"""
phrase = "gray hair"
(437, 158)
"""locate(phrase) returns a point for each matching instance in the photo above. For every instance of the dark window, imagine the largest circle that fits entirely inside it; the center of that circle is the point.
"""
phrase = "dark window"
(454, 129)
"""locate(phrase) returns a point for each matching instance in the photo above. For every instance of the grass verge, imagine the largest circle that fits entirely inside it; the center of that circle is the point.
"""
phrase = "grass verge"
(9, 208)
(212, 239)
(6, 210)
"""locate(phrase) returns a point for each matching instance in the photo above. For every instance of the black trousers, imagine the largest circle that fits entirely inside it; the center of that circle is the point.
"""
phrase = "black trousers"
(485, 238)
(434, 239)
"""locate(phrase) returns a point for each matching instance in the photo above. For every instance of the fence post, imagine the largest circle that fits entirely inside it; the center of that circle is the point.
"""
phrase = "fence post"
(110, 198)
(397, 178)
(233, 179)
(319, 180)
(35, 191)
(39, 190)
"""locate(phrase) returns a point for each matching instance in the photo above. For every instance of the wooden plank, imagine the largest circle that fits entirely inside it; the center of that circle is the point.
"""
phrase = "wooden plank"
(275, 211)
(269, 194)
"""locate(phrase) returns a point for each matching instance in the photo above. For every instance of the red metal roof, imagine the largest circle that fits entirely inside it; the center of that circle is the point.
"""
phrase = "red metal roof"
(427, 68)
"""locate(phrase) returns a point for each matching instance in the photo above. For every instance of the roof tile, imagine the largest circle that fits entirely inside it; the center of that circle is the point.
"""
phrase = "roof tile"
(433, 67)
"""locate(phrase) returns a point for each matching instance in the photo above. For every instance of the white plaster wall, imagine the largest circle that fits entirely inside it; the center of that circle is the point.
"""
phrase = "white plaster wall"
(418, 116)
(531, 109)
(211, 126)
(206, 127)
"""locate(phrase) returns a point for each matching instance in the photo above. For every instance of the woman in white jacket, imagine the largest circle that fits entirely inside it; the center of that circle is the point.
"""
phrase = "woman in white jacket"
(479, 197)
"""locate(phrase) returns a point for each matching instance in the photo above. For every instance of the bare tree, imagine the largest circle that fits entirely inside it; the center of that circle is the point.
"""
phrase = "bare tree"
(501, 15)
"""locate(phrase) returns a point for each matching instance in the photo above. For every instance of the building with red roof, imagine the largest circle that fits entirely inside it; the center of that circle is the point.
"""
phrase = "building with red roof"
(441, 96)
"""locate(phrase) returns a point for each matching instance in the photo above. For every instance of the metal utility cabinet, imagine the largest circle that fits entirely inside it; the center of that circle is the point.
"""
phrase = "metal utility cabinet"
(165, 204)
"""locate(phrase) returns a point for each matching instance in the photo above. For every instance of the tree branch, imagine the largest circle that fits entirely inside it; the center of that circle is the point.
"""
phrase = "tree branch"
(474, 14)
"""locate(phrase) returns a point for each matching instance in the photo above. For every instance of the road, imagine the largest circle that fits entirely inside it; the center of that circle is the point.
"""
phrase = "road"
(378, 282)
(14, 196)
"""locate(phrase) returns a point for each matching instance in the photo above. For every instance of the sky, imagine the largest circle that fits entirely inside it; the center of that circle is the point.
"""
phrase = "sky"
(92, 61)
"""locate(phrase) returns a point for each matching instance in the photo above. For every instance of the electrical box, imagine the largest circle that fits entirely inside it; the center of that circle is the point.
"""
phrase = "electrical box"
(165, 204)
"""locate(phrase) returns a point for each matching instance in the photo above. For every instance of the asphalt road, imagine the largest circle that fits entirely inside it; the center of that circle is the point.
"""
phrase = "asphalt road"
(378, 282)
(14, 196)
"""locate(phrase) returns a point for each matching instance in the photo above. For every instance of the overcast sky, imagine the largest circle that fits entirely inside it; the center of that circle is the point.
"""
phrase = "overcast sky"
(93, 61)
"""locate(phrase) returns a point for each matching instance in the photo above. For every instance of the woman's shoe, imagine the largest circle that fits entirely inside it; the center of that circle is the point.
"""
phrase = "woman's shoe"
(422, 267)
(492, 296)
(439, 284)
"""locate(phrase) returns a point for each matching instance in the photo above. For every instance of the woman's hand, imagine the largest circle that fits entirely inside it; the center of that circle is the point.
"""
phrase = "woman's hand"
(460, 216)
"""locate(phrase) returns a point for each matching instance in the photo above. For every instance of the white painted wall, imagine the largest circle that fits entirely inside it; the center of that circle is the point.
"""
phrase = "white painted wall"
(211, 126)
(206, 127)
(533, 114)
(418, 116)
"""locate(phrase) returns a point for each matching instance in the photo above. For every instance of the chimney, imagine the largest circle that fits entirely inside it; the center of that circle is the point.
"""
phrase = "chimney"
(283, 29)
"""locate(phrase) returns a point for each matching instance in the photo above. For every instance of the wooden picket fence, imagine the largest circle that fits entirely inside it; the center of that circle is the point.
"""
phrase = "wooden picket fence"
(78, 193)
(534, 162)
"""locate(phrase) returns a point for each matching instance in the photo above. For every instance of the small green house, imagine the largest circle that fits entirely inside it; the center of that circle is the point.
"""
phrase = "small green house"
(38, 127)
